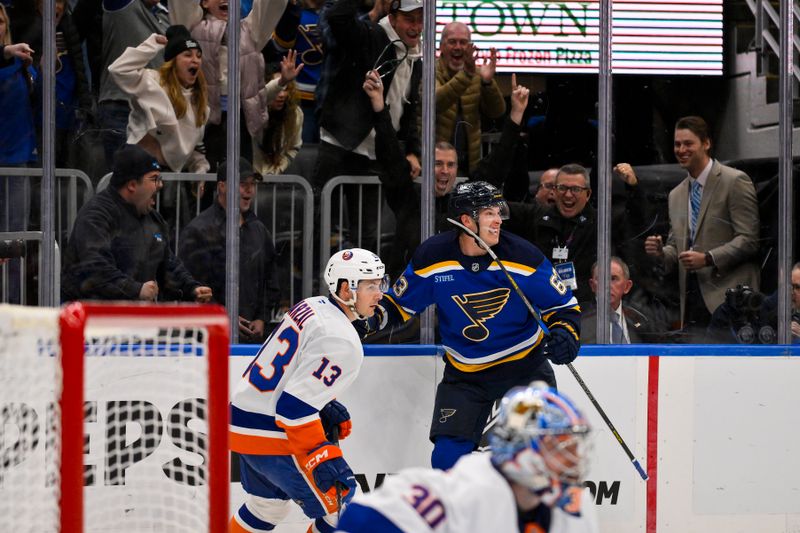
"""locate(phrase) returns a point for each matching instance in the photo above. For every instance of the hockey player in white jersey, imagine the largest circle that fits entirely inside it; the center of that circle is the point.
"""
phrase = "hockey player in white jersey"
(284, 407)
(530, 481)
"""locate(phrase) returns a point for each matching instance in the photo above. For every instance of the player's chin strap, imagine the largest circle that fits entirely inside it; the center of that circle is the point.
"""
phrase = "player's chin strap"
(350, 304)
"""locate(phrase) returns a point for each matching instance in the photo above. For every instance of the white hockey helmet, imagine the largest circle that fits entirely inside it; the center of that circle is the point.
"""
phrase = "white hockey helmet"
(540, 440)
(354, 265)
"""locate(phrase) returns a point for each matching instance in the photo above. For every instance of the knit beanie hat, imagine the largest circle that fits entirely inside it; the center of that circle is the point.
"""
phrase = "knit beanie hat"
(178, 40)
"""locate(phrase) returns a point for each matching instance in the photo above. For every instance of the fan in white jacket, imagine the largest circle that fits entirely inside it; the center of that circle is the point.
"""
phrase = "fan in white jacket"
(169, 107)
(208, 22)
(529, 482)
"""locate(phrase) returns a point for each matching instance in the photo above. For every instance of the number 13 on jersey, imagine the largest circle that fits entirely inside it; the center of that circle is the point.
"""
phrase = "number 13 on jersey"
(289, 338)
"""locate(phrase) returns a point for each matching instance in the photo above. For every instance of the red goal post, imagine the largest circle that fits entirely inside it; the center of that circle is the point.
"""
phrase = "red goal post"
(147, 351)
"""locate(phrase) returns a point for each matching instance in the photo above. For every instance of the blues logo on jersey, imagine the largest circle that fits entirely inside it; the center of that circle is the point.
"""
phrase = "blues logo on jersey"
(482, 321)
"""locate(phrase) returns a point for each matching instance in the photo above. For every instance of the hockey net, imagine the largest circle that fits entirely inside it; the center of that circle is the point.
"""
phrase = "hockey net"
(114, 418)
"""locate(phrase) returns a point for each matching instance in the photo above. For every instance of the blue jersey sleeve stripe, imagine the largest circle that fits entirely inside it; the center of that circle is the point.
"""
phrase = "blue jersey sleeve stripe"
(292, 408)
(362, 519)
(246, 419)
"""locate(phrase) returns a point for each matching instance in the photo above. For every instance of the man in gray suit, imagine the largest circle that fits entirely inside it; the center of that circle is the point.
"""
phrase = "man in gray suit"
(713, 238)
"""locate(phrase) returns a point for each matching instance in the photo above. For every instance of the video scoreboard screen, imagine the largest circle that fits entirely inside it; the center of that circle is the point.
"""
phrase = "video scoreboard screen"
(648, 37)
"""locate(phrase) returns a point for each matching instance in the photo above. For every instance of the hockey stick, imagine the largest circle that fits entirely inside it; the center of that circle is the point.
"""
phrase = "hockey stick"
(572, 369)
(336, 484)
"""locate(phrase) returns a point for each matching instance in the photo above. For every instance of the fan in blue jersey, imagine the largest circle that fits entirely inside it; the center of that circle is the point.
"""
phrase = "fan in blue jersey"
(530, 482)
(491, 340)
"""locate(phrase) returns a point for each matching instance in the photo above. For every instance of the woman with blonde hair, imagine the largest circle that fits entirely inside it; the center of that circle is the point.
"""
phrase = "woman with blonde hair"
(169, 107)
(208, 22)
(278, 144)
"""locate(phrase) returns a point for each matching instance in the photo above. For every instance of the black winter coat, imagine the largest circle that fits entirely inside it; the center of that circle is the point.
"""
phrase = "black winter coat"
(354, 44)
(202, 249)
(113, 251)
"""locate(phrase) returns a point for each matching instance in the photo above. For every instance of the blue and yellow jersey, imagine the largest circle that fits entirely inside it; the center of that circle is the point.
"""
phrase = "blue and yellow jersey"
(482, 320)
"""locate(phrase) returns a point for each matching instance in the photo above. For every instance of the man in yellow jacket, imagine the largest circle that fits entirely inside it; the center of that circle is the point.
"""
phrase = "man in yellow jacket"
(464, 92)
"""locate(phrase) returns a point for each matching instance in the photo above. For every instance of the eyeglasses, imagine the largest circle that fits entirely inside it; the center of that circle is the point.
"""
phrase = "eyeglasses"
(384, 65)
(155, 179)
(575, 189)
(548, 186)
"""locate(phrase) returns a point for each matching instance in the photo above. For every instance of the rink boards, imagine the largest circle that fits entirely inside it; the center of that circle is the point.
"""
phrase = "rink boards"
(716, 427)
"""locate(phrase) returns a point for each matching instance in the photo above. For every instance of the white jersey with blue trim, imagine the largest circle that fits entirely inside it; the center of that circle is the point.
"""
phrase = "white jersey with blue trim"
(482, 320)
(310, 358)
(471, 496)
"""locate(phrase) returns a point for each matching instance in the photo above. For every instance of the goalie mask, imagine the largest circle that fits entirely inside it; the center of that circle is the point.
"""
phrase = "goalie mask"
(472, 196)
(540, 441)
(354, 265)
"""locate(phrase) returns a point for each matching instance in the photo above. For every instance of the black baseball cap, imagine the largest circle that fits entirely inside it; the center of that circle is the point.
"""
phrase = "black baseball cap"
(246, 170)
(131, 162)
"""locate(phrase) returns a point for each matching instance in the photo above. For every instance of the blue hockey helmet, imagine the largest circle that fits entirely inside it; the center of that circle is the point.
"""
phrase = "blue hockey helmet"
(540, 440)
(472, 196)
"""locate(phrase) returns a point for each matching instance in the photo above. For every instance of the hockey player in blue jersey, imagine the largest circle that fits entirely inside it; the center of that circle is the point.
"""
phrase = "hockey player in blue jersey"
(529, 482)
(491, 341)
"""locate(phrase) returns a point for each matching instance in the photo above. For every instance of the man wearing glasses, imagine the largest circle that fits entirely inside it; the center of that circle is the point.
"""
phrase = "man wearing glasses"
(544, 193)
(118, 249)
(355, 46)
(566, 232)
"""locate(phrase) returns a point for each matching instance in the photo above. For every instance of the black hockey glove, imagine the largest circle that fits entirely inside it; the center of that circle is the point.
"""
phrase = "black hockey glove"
(561, 348)
(335, 414)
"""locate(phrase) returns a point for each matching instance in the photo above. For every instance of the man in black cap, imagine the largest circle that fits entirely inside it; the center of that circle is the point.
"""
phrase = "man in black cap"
(202, 248)
(119, 248)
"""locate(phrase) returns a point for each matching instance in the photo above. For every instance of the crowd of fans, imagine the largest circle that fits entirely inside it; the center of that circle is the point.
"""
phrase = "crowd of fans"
(149, 80)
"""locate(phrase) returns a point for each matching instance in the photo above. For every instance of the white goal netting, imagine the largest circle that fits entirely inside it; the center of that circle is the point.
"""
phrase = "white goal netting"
(29, 419)
(145, 423)
(145, 454)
